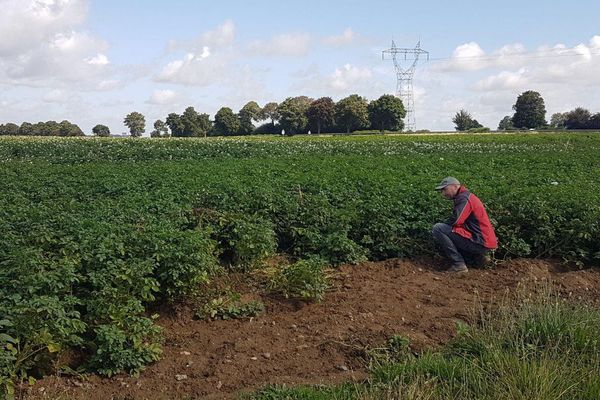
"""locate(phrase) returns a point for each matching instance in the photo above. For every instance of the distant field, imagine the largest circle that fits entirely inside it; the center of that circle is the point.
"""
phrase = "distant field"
(95, 230)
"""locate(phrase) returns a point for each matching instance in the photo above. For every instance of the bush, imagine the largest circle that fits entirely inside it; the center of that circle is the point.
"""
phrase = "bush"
(245, 241)
(304, 279)
(128, 347)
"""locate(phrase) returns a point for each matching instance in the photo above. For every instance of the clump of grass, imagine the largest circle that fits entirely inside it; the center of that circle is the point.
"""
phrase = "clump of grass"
(533, 346)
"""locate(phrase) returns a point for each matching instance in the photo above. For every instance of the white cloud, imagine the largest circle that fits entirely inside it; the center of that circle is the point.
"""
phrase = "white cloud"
(163, 97)
(466, 57)
(208, 59)
(221, 37)
(343, 81)
(488, 83)
(212, 60)
(24, 24)
(98, 59)
(350, 76)
(108, 84)
(196, 69)
(346, 37)
(42, 47)
(55, 96)
(504, 80)
(285, 45)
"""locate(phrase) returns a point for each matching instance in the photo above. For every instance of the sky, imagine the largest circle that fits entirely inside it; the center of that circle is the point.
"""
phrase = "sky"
(93, 62)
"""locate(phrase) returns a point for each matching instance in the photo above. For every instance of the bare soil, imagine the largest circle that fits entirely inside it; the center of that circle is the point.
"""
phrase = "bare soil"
(296, 342)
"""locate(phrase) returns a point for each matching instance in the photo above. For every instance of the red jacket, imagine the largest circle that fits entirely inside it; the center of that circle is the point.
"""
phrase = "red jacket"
(470, 220)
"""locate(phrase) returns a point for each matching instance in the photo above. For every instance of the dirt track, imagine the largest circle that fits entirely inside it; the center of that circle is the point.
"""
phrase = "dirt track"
(297, 343)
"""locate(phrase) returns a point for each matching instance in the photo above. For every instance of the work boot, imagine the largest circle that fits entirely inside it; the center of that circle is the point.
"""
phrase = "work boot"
(481, 260)
(458, 268)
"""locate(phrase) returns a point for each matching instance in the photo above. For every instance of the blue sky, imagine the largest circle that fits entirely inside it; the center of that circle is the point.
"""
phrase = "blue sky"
(95, 61)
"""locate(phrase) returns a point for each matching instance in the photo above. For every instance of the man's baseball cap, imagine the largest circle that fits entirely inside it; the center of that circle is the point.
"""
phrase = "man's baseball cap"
(449, 180)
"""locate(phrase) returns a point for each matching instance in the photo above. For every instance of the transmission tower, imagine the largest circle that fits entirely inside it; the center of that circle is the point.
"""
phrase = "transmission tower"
(404, 77)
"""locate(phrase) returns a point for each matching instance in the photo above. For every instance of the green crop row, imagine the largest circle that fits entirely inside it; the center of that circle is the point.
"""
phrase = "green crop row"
(96, 231)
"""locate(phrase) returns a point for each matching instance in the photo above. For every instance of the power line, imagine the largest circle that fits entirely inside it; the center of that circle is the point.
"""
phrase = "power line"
(516, 56)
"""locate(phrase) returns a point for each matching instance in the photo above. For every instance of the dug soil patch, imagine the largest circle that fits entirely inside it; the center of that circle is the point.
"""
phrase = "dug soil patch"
(312, 343)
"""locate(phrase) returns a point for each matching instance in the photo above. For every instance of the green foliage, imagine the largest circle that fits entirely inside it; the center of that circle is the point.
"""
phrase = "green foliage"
(175, 123)
(386, 113)
(463, 121)
(269, 111)
(48, 128)
(251, 111)
(226, 122)
(557, 120)
(245, 241)
(506, 124)
(95, 230)
(579, 118)
(183, 260)
(8, 358)
(194, 123)
(160, 129)
(303, 279)
(230, 306)
(293, 114)
(101, 130)
(530, 111)
(321, 114)
(351, 113)
(136, 122)
(9, 129)
(125, 347)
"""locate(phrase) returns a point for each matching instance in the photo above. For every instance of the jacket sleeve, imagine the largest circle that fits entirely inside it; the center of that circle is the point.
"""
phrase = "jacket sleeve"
(462, 210)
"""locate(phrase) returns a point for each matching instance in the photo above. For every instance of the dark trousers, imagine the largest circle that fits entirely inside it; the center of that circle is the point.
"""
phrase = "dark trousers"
(457, 248)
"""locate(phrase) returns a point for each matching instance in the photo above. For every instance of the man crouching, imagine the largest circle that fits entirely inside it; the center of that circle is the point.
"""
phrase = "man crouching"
(468, 235)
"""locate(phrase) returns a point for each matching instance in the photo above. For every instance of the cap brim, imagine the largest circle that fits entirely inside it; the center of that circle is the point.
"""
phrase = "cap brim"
(440, 187)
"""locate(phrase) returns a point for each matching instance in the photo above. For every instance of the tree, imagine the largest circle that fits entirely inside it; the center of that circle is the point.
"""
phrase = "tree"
(194, 124)
(387, 112)
(160, 129)
(175, 123)
(292, 114)
(351, 113)
(25, 129)
(68, 129)
(269, 111)
(250, 111)
(136, 123)
(37, 129)
(578, 118)
(506, 124)
(594, 121)
(51, 128)
(557, 120)
(226, 122)
(530, 111)
(101, 130)
(321, 114)
(9, 129)
(463, 121)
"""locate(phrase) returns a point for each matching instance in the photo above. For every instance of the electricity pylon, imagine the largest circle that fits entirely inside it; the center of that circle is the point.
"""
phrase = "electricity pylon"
(404, 77)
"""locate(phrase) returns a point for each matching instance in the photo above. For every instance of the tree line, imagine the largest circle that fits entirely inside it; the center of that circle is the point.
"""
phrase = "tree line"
(530, 113)
(303, 114)
(294, 115)
(48, 128)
